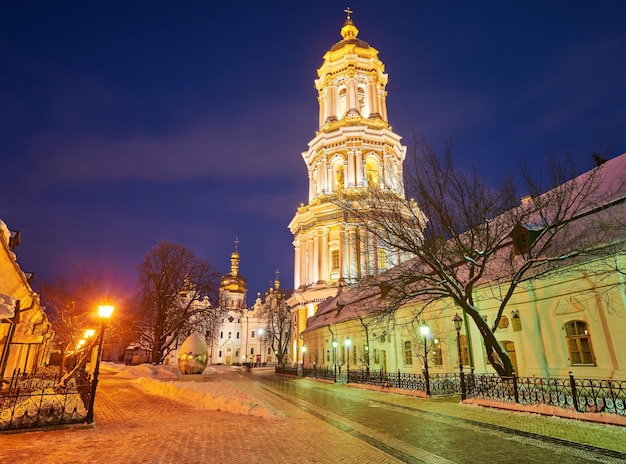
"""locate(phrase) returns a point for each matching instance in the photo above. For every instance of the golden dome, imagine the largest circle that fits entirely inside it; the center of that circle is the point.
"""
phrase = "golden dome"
(233, 281)
(349, 32)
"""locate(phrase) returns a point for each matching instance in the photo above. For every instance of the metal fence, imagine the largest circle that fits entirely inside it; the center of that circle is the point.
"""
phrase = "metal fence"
(34, 401)
(323, 374)
(581, 395)
(289, 370)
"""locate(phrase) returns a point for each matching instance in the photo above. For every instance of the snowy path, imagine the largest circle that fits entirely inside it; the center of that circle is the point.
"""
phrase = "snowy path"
(135, 425)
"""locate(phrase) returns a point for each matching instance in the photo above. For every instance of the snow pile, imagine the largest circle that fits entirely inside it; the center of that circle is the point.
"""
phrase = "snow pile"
(140, 371)
(216, 395)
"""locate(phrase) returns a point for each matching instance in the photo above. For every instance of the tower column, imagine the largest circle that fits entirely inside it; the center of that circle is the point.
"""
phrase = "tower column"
(364, 251)
(343, 253)
(360, 168)
(351, 165)
(310, 251)
(383, 105)
(311, 185)
(352, 97)
(316, 257)
(329, 179)
(296, 264)
(354, 256)
(322, 236)
(332, 103)
(373, 99)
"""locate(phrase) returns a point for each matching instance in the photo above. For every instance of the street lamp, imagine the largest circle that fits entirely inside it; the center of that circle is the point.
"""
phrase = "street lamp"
(303, 349)
(425, 332)
(348, 343)
(458, 323)
(261, 332)
(105, 312)
(335, 343)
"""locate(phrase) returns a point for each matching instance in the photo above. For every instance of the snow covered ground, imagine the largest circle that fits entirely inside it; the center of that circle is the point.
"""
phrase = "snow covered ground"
(220, 393)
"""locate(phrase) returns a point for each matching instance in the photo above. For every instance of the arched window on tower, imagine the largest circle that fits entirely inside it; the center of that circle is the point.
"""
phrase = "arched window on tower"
(361, 102)
(371, 172)
(342, 103)
(338, 176)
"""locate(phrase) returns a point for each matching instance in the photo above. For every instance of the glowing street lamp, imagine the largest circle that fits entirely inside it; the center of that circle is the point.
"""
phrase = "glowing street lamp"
(105, 311)
(425, 332)
(458, 323)
(335, 343)
(303, 350)
(261, 332)
(348, 342)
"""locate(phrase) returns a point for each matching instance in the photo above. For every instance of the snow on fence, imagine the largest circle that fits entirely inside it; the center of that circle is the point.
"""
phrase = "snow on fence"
(34, 401)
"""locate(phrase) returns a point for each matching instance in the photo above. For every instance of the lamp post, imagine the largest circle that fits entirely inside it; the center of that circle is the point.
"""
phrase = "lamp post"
(458, 323)
(303, 349)
(105, 312)
(261, 332)
(335, 343)
(425, 332)
(348, 343)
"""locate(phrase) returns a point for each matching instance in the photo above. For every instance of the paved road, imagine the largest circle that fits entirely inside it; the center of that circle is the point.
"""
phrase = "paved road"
(321, 424)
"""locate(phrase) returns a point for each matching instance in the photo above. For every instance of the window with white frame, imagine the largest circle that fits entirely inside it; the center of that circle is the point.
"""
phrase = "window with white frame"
(408, 354)
(579, 343)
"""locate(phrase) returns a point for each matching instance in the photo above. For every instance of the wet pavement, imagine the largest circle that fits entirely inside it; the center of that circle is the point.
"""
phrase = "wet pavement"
(316, 423)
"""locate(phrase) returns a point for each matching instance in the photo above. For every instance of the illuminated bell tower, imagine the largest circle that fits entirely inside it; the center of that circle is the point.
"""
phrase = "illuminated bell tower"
(226, 347)
(354, 149)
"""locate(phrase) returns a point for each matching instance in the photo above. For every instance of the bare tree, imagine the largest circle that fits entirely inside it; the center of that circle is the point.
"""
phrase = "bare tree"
(172, 285)
(70, 303)
(464, 235)
(278, 316)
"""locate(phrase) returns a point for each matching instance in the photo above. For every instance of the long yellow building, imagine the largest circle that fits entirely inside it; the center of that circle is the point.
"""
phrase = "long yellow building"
(26, 335)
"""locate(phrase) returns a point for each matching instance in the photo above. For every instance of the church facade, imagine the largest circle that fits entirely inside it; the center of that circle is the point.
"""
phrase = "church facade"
(239, 338)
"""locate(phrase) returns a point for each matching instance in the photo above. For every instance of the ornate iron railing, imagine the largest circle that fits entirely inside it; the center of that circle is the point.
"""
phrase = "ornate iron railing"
(320, 373)
(289, 370)
(439, 384)
(34, 401)
(582, 395)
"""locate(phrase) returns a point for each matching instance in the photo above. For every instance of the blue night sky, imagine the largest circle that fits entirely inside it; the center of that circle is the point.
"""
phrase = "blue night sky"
(123, 123)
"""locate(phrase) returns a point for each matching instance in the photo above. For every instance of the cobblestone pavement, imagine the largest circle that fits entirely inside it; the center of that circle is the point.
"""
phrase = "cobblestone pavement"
(368, 427)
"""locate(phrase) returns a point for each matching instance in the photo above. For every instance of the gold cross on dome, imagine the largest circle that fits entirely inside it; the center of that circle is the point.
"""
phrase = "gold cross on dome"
(348, 11)
(277, 272)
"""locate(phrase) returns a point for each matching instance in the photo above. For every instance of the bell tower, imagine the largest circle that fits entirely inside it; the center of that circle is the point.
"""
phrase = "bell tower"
(353, 149)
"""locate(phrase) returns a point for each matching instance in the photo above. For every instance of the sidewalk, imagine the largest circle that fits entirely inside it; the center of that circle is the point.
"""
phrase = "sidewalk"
(610, 437)
(135, 427)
